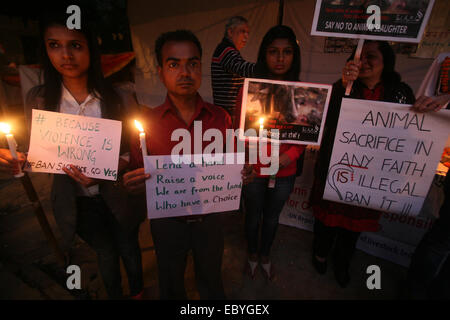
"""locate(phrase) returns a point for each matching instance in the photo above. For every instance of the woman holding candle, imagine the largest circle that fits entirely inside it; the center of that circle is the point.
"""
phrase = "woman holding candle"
(279, 56)
(94, 209)
(336, 223)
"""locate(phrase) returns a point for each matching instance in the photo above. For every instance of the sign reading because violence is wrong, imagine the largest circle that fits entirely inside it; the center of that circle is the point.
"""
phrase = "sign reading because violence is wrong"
(59, 140)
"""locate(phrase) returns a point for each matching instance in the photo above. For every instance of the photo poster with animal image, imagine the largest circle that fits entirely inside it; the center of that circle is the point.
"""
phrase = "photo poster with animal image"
(59, 139)
(180, 187)
(400, 20)
(295, 110)
(385, 155)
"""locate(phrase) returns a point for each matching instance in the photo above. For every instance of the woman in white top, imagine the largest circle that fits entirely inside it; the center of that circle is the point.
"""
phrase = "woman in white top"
(94, 209)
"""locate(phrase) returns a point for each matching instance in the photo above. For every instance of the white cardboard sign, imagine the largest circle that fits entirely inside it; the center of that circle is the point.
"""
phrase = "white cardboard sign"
(180, 189)
(60, 139)
(385, 155)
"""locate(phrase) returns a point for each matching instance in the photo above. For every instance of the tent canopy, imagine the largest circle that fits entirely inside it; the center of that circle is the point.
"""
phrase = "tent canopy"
(207, 20)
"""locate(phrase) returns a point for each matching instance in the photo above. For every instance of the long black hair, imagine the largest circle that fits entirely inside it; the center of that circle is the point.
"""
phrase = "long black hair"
(389, 76)
(98, 86)
(279, 32)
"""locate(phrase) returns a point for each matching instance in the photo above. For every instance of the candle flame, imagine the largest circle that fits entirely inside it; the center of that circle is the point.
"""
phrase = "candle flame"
(138, 126)
(5, 128)
(261, 121)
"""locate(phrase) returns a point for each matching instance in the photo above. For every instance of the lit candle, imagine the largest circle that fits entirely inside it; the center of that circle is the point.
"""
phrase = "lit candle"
(6, 128)
(141, 137)
(261, 126)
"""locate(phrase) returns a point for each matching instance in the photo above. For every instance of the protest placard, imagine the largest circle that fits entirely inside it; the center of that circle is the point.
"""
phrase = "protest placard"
(293, 112)
(60, 139)
(385, 155)
(402, 21)
(177, 188)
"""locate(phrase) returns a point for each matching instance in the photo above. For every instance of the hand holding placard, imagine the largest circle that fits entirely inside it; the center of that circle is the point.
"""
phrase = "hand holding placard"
(134, 181)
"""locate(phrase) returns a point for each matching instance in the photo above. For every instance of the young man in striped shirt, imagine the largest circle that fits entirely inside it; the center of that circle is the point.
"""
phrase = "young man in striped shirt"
(228, 68)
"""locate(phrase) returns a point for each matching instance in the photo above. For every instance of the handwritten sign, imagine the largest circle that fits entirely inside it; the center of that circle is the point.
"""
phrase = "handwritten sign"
(385, 155)
(59, 139)
(397, 23)
(180, 189)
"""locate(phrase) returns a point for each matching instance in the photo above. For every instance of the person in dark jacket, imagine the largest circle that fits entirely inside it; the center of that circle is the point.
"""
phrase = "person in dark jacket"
(374, 79)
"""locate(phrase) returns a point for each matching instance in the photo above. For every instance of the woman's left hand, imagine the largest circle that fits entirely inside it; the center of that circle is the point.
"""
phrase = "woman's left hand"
(79, 177)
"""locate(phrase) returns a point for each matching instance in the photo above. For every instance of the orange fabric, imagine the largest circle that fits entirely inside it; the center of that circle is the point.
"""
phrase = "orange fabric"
(111, 63)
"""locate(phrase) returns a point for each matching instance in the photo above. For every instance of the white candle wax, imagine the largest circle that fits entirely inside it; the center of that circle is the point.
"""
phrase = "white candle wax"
(143, 144)
(12, 145)
(261, 127)
(12, 148)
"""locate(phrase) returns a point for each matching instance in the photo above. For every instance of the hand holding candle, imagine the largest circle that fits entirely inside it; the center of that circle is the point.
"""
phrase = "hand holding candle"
(357, 57)
(141, 137)
(6, 128)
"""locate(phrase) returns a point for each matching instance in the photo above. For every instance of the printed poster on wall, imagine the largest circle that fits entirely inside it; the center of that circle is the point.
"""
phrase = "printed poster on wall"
(292, 112)
(400, 20)
(60, 139)
(177, 188)
(385, 155)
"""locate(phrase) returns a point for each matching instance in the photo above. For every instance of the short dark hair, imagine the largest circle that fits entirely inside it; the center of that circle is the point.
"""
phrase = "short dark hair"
(177, 36)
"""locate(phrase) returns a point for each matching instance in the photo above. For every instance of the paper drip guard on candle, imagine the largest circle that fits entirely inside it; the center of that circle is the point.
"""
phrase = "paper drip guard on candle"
(356, 59)
(12, 144)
